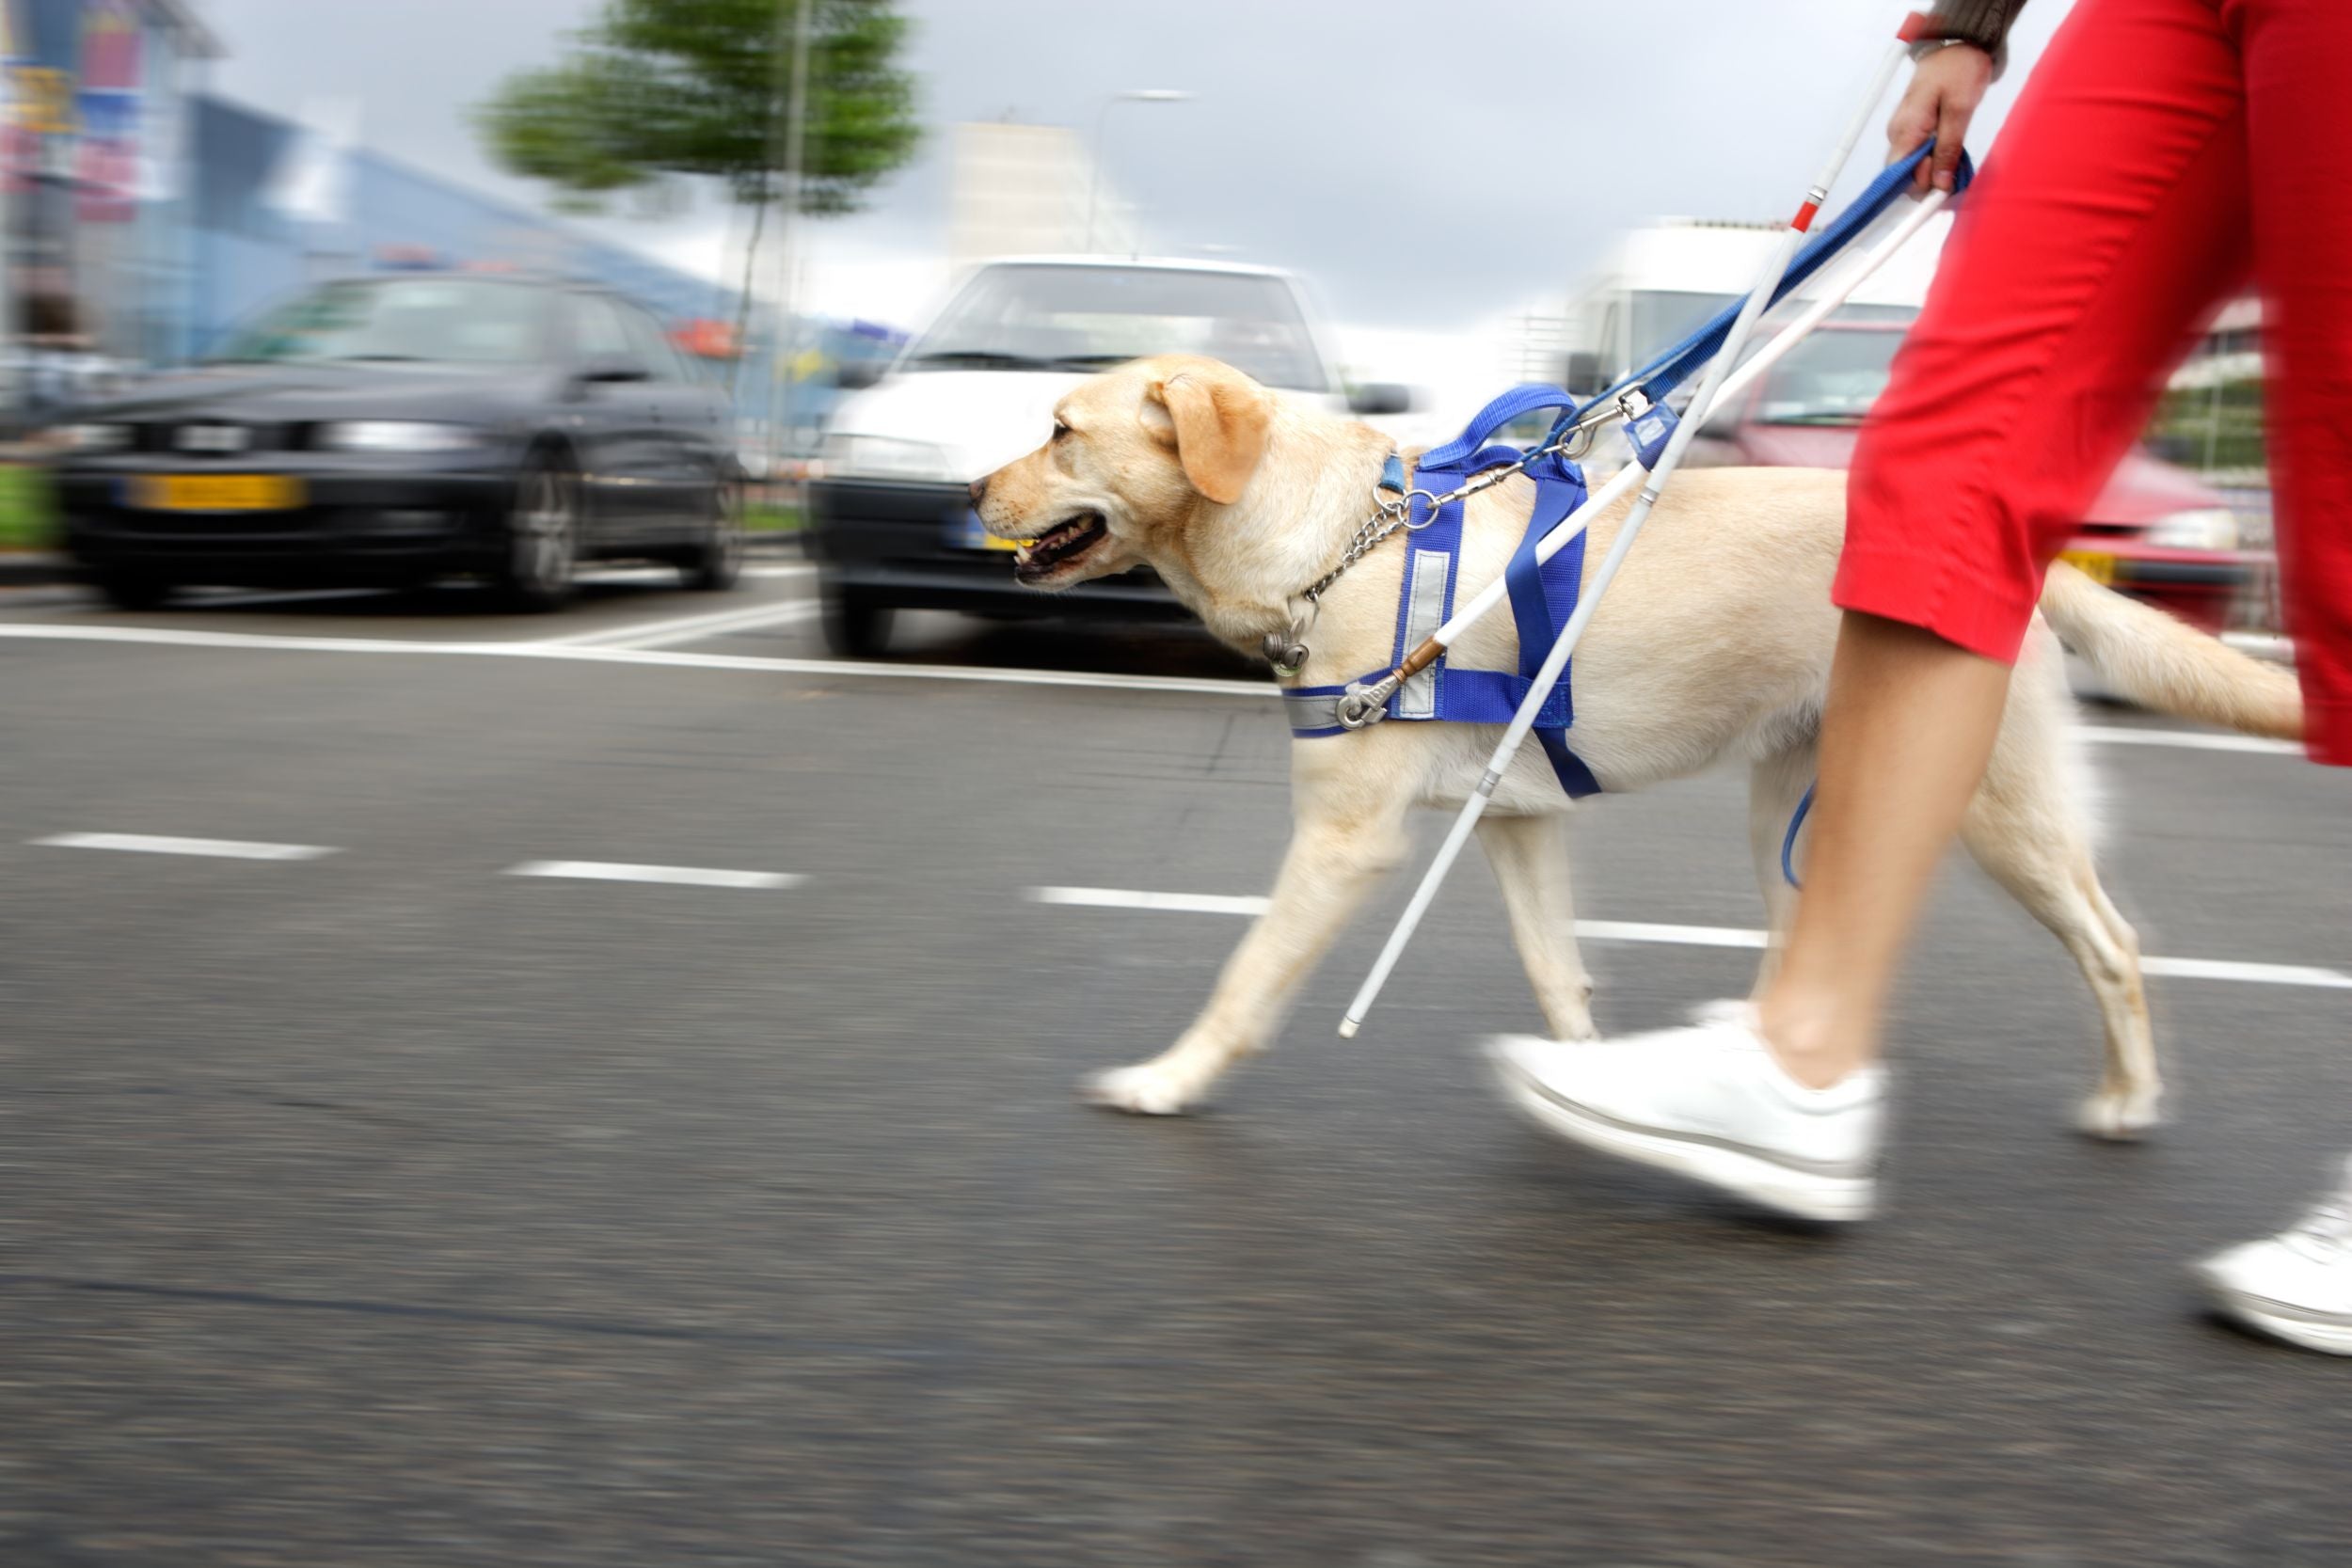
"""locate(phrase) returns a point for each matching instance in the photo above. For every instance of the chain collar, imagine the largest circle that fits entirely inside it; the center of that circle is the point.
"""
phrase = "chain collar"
(1286, 650)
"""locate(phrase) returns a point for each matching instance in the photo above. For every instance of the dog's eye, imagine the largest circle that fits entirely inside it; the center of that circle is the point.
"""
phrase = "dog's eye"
(1060, 430)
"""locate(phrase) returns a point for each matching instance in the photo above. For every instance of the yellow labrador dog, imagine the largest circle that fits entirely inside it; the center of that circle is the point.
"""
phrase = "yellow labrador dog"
(1714, 642)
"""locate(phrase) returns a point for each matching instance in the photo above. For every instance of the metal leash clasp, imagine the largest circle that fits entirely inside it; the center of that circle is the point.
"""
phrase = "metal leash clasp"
(1362, 707)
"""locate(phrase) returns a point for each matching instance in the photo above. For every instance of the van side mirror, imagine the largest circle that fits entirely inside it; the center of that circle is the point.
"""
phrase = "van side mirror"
(855, 375)
(1380, 396)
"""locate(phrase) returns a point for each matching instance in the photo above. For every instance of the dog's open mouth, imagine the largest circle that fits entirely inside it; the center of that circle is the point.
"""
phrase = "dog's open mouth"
(1040, 558)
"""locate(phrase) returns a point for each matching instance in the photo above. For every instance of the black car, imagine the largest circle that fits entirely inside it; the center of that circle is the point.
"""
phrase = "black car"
(391, 430)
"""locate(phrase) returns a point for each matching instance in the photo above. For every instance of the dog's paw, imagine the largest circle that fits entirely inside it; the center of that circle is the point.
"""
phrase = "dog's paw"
(2119, 1116)
(1146, 1089)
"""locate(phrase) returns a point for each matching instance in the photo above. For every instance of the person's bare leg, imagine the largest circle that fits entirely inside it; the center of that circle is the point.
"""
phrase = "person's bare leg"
(1907, 729)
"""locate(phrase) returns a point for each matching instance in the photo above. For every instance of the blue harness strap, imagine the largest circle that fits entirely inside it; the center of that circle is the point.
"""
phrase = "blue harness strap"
(1543, 596)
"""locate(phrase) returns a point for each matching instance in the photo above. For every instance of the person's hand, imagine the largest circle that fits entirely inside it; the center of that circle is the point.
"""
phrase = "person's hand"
(1945, 88)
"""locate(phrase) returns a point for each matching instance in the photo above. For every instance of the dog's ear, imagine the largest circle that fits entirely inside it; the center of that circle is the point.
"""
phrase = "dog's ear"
(1217, 420)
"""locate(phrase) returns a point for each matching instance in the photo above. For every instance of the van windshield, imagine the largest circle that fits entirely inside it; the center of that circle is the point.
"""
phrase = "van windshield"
(1831, 378)
(1050, 317)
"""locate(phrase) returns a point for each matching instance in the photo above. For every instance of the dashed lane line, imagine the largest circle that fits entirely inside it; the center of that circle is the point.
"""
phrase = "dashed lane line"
(684, 876)
(1679, 936)
(1125, 899)
(154, 844)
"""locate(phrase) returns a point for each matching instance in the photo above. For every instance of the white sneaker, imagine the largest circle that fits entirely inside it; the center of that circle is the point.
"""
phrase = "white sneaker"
(1708, 1101)
(2296, 1285)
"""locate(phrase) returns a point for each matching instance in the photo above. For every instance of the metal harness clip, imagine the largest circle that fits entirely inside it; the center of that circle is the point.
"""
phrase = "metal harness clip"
(1362, 707)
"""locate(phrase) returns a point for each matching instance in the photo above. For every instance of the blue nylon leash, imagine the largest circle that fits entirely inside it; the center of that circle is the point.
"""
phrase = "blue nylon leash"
(1788, 844)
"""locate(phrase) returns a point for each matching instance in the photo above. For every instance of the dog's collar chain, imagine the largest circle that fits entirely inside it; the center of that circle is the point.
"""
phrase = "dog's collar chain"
(1392, 513)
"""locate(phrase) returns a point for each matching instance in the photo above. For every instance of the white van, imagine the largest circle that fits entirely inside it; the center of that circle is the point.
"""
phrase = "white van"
(891, 525)
(1663, 280)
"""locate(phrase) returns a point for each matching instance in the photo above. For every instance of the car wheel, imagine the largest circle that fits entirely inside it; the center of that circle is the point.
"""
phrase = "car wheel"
(135, 590)
(856, 627)
(542, 536)
(715, 563)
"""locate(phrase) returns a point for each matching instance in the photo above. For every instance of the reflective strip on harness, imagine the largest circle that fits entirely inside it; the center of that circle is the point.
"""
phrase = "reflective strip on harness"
(1314, 711)
(1424, 612)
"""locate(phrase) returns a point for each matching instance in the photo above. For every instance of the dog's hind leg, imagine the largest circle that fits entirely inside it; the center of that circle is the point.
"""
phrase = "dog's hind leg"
(1334, 859)
(2028, 829)
(1775, 785)
(1530, 855)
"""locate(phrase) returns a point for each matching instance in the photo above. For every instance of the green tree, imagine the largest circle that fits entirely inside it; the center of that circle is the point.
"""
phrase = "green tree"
(658, 88)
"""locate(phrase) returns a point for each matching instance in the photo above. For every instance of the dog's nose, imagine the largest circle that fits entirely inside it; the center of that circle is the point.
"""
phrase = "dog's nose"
(978, 490)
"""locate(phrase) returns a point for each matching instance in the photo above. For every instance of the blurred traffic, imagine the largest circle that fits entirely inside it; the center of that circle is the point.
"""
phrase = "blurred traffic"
(857, 428)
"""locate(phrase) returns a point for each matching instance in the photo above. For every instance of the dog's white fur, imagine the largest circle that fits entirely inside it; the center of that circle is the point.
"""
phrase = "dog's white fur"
(1713, 643)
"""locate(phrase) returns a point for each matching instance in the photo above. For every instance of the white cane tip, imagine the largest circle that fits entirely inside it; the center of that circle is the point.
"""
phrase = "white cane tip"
(1347, 1028)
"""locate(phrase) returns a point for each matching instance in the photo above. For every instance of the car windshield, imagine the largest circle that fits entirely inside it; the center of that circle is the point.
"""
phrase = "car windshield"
(1831, 378)
(445, 320)
(1084, 318)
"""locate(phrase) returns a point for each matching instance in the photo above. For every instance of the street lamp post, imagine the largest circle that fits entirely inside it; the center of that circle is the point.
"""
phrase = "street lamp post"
(1132, 95)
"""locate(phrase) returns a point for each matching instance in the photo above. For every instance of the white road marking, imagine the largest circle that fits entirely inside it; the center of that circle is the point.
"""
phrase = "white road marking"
(152, 843)
(689, 628)
(1122, 898)
(2193, 741)
(2261, 975)
(1675, 936)
(2186, 740)
(684, 876)
(1680, 936)
(177, 638)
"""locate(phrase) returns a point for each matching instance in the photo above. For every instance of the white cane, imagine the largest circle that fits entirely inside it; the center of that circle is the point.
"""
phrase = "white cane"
(1701, 403)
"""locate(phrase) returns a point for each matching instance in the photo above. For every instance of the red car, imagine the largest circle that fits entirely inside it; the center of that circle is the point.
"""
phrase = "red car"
(2155, 532)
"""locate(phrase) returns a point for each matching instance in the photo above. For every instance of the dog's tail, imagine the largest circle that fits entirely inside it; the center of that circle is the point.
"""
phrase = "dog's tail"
(2165, 664)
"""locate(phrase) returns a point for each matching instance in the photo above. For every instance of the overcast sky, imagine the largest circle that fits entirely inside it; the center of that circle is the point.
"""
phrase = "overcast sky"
(1431, 166)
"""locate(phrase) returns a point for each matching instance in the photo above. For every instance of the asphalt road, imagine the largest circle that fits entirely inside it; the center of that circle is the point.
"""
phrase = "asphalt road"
(380, 1205)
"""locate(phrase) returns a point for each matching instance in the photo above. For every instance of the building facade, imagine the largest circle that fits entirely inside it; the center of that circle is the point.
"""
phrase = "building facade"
(279, 206)
(93, 152)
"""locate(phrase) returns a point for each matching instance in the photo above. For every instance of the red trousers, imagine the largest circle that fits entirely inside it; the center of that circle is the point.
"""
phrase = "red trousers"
(2163, 149)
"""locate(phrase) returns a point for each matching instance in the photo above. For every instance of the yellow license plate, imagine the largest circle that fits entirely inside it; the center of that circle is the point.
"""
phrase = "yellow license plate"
(217, 492)
(2098, 565)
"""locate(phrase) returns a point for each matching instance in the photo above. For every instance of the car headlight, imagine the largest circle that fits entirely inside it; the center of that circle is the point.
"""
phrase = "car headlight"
(97, 438)
(886, 457)
(2210, 528)
(411, 435)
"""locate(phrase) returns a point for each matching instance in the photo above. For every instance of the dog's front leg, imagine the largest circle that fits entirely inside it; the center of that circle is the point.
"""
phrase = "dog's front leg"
(1333, 861)
(1530, 855)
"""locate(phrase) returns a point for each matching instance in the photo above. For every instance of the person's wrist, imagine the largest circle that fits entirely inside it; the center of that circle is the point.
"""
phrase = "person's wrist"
(1926, 48)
